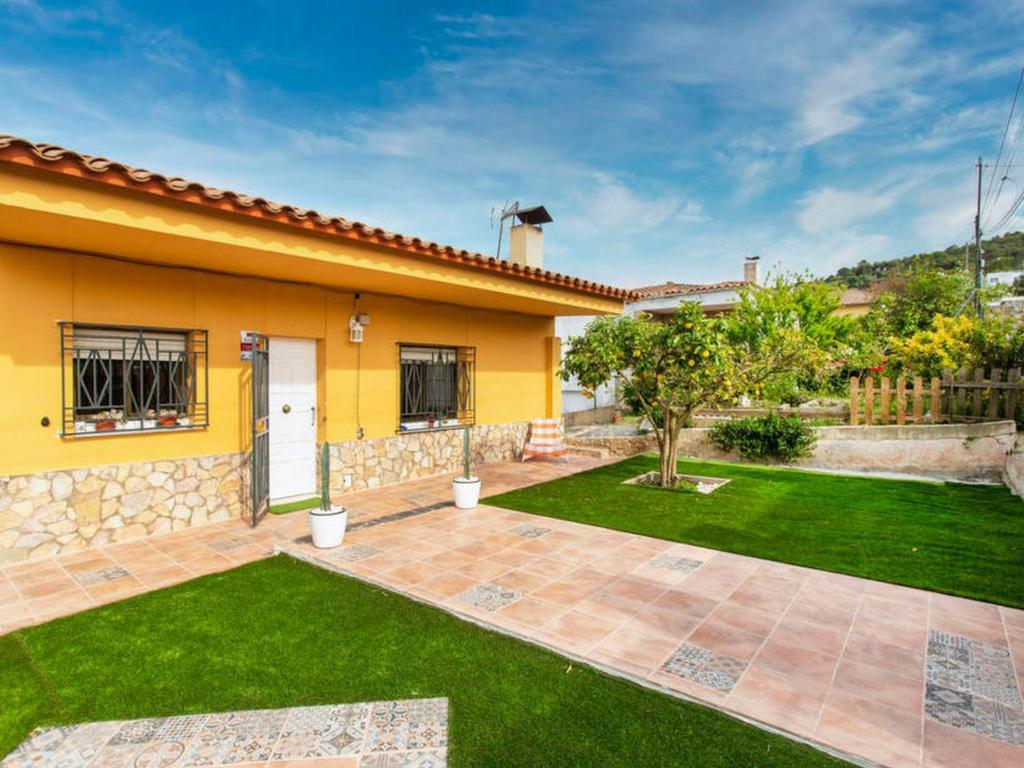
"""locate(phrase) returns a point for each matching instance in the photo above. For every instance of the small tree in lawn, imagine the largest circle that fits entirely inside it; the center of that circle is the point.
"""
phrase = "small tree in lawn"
(671, 370)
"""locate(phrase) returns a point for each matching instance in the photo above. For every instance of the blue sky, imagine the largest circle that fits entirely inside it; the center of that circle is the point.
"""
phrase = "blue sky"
(669, 140)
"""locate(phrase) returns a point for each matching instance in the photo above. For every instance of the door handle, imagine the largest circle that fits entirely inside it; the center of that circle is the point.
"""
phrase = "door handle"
(286, 408)
(312, 416)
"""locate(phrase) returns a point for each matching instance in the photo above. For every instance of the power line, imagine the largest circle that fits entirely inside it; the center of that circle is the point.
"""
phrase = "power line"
(1002, 141)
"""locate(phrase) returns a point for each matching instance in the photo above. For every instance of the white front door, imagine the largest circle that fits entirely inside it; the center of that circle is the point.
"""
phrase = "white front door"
(292, 418)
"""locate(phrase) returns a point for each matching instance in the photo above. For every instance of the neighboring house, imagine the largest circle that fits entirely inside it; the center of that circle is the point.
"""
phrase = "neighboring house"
(856, 302)
(1002, 278)
(657, 300)
(127, 301)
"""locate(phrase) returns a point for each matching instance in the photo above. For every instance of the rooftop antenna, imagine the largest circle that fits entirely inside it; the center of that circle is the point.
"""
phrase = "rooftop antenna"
(507, 211)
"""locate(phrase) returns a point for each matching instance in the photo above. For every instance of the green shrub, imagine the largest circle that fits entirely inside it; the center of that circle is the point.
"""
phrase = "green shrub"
(771, 437)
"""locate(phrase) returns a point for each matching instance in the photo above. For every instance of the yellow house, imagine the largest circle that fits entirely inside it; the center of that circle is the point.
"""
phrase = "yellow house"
(143, 316)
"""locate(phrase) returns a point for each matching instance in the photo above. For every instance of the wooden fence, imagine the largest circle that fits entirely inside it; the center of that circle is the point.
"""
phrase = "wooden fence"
(964, 396)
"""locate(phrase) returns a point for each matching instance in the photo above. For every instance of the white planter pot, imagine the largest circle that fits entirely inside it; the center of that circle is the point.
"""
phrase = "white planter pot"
(328, 528)
(467, 492)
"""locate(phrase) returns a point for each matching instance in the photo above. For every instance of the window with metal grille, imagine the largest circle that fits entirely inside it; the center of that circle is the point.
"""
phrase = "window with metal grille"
(117, 379)
(437, 386)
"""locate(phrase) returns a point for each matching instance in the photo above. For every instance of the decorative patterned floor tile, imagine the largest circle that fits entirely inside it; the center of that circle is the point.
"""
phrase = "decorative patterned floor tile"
(225, 545)
(383, 734)
(710, 669)
(528, 531)
(489, 596)
(100, 575)
(236, 737)
(330, 731)
(429, 758)
(354, 553)
(396, 726)
(681, 564)
(971, 685)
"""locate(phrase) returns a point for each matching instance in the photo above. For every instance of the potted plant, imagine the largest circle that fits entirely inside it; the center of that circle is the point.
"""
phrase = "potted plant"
(467, 487)
(327, 524)
(168, 417)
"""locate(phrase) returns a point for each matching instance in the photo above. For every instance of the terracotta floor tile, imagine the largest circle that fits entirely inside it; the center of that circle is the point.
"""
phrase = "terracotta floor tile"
(777, 701)
(913, 612)
(902, 692)
(814, 637)
(799, 666)
(948, 747)
(484, 569)
(963, 608)
(413, 573)
(723, 638)
(561, 593)
(448, 584)
(531, 612)
(635, 588)
(61, 604)
(837, 618)
(749, 619)
(116, 589)
(875, 652)
(520, 580)
(682, 601)
(634, 643)
(549, 567)
(580, 628)
(970, 628)
(861, 726)
(687, 687)
(609, 607)
(667, 623)
(40, 589)
(163, 576)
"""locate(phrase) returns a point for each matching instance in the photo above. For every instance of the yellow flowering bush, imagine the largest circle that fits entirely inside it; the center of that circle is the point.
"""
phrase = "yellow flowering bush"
(947, 344)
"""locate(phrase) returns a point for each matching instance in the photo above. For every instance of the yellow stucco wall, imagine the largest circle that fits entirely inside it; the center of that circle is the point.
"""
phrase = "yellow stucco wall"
(516, 369)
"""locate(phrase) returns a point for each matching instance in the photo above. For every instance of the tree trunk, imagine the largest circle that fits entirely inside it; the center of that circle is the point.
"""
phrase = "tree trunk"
(667, 467)
(670, 448)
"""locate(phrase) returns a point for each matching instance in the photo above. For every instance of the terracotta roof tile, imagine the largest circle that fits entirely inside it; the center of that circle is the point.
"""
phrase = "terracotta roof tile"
(679, 289)
(58, 159)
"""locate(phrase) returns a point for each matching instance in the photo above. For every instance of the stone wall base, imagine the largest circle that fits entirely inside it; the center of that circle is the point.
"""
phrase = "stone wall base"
(51, 513)
(411, 455)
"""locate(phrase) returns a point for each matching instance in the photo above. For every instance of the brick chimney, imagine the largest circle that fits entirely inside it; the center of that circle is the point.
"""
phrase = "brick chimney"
(750, 269)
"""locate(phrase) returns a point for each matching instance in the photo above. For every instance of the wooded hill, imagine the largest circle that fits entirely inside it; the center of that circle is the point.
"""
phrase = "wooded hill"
(1002, 254)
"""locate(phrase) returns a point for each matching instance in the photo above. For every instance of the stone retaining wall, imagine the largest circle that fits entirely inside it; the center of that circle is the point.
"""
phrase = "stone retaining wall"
(967, 452)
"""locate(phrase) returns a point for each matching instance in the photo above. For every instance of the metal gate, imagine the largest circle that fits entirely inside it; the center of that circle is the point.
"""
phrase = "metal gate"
(260, 463)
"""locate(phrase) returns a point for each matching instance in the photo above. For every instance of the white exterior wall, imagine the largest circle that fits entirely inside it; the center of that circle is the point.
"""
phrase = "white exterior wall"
(568, 327)
(572, 393)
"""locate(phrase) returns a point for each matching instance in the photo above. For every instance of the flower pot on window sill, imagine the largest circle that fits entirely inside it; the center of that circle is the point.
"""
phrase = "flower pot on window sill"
(467, 492)
(168, 421)
(327, 526)
(105, 425)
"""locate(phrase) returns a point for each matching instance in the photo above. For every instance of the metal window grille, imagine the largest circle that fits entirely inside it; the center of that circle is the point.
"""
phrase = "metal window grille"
(118, 379)
(437, 385)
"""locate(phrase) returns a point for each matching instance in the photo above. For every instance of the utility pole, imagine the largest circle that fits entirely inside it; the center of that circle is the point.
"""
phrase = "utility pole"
(979, 309)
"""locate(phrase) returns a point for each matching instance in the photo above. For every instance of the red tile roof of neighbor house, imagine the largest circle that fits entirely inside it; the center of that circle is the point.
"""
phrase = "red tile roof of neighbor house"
(679, 289)
(19, 151)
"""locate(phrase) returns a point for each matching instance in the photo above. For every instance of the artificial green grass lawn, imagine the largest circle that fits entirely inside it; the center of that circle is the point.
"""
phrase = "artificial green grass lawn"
(962, 539)
(280, 633)
(295, 506)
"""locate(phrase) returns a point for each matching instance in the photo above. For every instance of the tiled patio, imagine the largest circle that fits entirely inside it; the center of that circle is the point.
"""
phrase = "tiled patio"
(880, 673)
(381, 734)
(34, 592)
